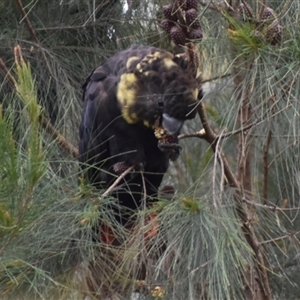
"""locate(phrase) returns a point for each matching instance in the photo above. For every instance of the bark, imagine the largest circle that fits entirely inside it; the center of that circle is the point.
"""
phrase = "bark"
(257, 283)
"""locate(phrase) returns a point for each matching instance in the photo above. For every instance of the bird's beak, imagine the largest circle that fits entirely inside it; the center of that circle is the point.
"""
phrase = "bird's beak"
(171, 125)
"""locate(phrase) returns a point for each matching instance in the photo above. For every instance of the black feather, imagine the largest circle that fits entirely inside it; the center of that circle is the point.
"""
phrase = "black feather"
(110, 141)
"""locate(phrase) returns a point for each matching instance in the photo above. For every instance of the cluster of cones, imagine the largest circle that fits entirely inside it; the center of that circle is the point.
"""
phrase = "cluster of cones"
(181, 21)
(267, 26)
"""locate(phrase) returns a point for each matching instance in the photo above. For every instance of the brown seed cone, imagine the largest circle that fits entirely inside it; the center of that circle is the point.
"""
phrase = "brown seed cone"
(182, 4)
(258, 35)
(177, 35)
(274, 33)
(169, 12)
(191, 18)
(195, 34)
(196, 25)
(192, 4)
(166, 25)
(268, 14)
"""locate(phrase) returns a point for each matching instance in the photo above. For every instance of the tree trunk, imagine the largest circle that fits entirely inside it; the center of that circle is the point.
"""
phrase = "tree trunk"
(256, 278)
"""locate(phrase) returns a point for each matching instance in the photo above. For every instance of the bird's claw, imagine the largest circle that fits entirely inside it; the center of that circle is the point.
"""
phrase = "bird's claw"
(122, 166)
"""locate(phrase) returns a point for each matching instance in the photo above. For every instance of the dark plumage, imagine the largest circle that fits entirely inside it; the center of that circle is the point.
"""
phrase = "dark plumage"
(125, 100)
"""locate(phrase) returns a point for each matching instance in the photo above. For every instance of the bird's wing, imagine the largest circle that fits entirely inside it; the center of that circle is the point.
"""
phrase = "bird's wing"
(100, 107)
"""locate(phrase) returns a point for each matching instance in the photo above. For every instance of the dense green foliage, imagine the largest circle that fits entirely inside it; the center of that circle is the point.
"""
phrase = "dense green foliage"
(48, 216)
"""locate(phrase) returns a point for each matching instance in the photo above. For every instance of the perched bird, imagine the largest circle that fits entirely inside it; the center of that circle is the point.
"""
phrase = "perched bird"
(135, 104)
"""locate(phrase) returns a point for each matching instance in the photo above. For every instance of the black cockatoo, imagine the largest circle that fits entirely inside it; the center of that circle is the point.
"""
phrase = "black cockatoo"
(135, 104)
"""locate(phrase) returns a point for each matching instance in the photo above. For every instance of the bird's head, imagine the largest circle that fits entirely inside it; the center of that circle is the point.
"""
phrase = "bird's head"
(159, 90)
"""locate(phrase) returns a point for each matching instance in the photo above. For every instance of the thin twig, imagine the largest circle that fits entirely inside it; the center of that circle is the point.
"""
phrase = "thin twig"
(6, 74)
(117, 181)
(263, 5)
(68, 27)
(201, 134)
(211, 5)
(216, 78)
(144, 191)
(142, 219)
(59, 138)
(217, 159)
(31, 30)
(95, 10)
(27, 22)
(272, 207)
(287, 235)
(210, 137)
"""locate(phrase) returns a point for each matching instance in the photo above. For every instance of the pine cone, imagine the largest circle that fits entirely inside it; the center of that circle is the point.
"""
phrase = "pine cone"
(182, 4)
(246, 12)
(166, 25)
(177, 35)
(169, 12)
(258, 35)
(274, 33)
(268, 14)
(191, 4)
(195, 34)
(191, 18)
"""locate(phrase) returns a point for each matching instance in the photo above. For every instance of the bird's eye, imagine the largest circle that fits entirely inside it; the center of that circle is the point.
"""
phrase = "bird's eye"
(160, 103)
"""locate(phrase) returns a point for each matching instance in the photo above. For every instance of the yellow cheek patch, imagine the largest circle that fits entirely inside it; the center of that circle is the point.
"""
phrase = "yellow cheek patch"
(126, 94)
(130, 117)
(166, 57)
(131, 60)
(139, 67)
(169, 63)
(157, 54)
(127, 89)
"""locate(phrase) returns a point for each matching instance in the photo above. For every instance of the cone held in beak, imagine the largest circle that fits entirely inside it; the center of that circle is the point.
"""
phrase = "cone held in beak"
(169, 142)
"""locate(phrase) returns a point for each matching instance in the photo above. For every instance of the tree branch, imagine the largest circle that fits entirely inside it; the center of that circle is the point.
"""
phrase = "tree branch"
(6, 74)
(30, 28)
(27, 21)
(242, 210)
(216, 78)
(117, 181)
(60, 139)
(287, 235)
(211, 138)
